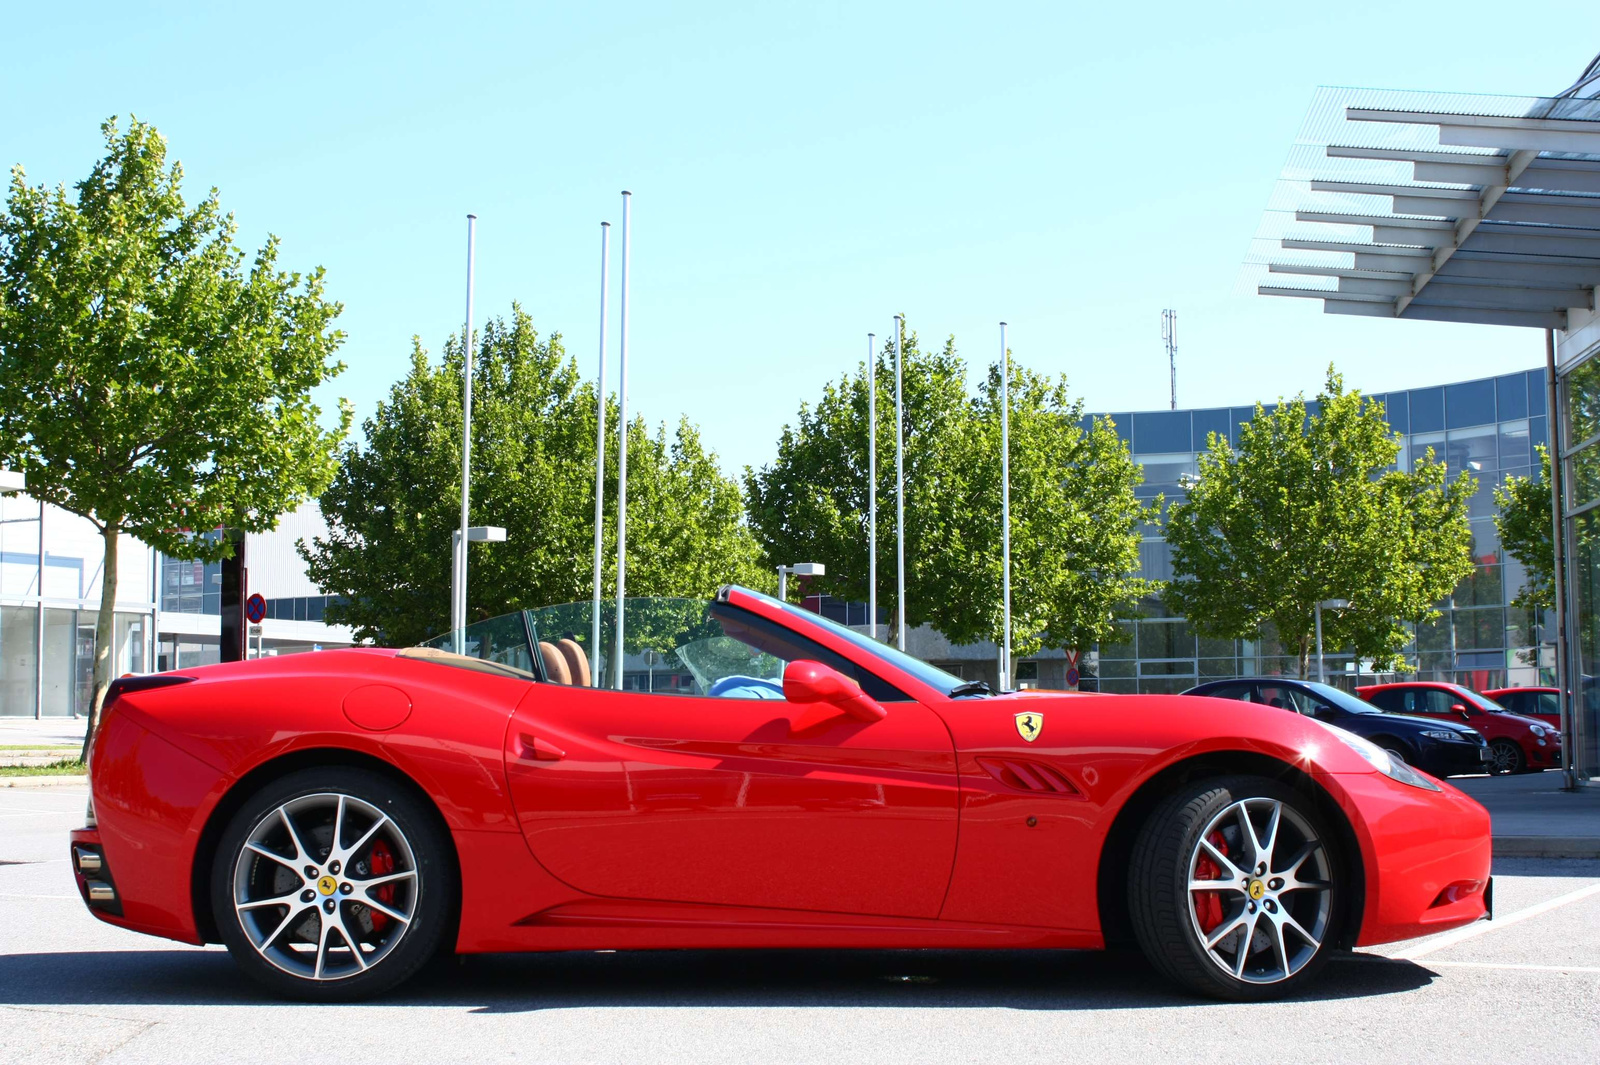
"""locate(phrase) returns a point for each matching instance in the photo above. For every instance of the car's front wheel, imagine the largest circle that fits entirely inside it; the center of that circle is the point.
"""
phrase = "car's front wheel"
(1235, 888)
(332, 884)
(1506, 757)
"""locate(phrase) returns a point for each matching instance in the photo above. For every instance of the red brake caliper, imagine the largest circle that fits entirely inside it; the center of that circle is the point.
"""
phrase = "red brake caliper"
(1208, 904)
(381, 861)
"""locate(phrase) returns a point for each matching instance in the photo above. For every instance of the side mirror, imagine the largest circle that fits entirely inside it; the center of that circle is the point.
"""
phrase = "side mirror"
(813, 682)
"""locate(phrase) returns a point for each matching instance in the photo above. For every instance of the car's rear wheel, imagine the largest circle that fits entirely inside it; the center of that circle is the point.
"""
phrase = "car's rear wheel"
(1506, 756)
(332, 884)
(1235, 889)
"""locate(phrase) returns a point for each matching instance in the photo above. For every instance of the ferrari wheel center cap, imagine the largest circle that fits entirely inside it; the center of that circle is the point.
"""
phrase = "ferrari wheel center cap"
(328, 885)
(1257, 889)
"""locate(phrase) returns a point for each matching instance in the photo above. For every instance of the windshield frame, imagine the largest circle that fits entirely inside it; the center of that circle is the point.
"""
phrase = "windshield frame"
(1482, 702)
(930, 676)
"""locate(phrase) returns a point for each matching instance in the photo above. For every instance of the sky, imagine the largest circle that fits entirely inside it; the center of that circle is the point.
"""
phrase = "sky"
(801, 173)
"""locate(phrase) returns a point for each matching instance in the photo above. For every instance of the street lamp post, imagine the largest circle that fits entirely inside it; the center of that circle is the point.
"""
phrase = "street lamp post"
(477, 534)
(1331, 604)
(799, 569)
(458, 573)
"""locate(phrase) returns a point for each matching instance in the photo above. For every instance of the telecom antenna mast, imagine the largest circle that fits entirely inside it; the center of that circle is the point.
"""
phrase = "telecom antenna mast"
(1169, 334)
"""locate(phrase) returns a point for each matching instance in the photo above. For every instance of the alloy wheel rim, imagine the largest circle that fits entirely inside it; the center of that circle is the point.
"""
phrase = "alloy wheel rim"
(1505, 757)
(1260, 891)
(325, 886)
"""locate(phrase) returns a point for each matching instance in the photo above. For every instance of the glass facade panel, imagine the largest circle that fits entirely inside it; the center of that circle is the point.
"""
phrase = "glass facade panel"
(19, 660)
(1585, 555)
(1472, 450)
(1515, 449)
(60, 662)
(1162, 431)
(1207, 422)
(1427, 409)
(1511, 395)
(1469, 403)
(1167, 470)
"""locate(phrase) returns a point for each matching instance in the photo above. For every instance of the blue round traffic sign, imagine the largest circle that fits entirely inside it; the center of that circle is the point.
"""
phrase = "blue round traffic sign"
(255, 609)
(1072, 676)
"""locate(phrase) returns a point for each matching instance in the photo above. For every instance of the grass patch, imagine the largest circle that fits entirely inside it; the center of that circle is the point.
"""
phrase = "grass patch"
(40, 747)
(66, 767)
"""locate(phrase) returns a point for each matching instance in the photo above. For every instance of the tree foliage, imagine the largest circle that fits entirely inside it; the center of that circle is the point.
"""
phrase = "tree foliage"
(1525, 526)
(1075, 518)
(395, 500)
(1309, 510)
(151, 379)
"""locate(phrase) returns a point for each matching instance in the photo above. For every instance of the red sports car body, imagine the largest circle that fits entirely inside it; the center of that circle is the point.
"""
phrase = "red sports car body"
(337, 817)
(1518, 744)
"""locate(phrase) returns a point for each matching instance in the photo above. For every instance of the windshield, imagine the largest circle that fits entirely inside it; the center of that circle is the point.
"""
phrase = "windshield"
(1482, 702)
(932, 676)
(672, 647)
(1342, 699)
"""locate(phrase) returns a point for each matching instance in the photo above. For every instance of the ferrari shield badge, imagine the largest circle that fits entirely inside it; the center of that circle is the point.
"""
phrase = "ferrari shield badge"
(1029, 723)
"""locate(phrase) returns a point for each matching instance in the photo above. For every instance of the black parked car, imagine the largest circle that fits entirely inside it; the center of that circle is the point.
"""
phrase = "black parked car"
(1437, 747)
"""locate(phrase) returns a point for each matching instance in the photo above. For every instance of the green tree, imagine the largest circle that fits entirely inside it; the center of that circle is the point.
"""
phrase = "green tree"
(1075, 523)
(810, 504)
(151, 380)
(1075, 518)
(1524, 522)
(1309, 510)
(394, 502)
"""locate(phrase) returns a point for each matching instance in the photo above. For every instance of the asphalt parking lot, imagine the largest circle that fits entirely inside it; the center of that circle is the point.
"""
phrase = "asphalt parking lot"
(1523, 989)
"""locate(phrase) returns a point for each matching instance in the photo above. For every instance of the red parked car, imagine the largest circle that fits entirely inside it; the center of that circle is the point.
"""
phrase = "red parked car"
(1538, 703)
(1519, 744)
(336, 819)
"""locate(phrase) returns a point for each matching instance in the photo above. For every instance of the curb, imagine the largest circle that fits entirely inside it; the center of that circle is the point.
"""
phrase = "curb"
(44, 782)
(1547, 846)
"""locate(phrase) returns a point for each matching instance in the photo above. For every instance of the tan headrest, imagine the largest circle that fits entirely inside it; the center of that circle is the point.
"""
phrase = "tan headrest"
(577, 661)
(555, 663)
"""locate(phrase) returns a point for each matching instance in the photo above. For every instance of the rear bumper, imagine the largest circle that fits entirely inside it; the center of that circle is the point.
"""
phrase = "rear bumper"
(1426, 853)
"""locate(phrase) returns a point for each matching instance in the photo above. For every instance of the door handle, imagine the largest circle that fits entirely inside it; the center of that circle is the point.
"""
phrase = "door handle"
(533, 749)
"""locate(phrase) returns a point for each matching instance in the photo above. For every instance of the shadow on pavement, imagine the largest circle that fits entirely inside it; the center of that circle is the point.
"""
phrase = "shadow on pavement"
(516, 983)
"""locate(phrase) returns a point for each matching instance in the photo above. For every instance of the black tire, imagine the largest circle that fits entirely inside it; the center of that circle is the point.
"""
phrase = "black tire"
(1508, 757)
(414, 870)
(1168, 924)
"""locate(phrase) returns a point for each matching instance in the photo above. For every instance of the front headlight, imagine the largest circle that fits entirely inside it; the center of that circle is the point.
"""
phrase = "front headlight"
(1384, 762)
(1537, 730)
(1445, 736)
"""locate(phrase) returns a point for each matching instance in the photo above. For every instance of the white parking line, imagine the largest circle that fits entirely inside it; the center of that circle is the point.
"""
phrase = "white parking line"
(1513, 965)
(1472, 931)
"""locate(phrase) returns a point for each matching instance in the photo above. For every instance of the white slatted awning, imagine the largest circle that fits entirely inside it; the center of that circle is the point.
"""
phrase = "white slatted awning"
(1438, 206)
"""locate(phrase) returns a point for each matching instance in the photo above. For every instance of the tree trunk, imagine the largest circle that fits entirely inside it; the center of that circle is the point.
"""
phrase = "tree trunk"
(1305, 658)
(104, 633)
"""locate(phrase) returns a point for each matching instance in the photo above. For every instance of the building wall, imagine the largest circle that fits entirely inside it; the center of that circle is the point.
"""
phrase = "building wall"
(168, 611)
(1488, 427)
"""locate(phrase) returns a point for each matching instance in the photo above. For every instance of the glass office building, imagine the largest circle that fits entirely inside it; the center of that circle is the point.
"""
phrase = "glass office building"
(1488, 428)
(168, 613)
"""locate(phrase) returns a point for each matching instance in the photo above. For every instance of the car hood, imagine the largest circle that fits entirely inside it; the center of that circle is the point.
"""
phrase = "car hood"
(1520, 720)
(1422, 722)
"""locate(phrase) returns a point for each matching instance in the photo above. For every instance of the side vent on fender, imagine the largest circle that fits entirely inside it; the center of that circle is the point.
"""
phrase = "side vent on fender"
(1029, 776)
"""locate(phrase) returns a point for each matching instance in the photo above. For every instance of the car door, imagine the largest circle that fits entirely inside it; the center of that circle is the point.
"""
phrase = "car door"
(743, 801)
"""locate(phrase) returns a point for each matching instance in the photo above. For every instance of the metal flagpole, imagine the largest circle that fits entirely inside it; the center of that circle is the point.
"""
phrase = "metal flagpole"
(872, 484)
(622, 444)
(458, 604)
(899, 491)
(1005, 500)
(599, 460)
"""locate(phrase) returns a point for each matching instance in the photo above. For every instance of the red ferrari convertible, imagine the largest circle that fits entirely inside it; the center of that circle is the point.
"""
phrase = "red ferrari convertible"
(763, 778)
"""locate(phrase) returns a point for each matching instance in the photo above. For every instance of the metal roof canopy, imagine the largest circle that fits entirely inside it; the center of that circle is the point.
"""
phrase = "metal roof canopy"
(1442, 207)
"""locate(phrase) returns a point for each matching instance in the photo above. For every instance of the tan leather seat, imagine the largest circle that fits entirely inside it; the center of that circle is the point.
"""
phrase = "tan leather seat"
(555, 663)
(577, 661)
